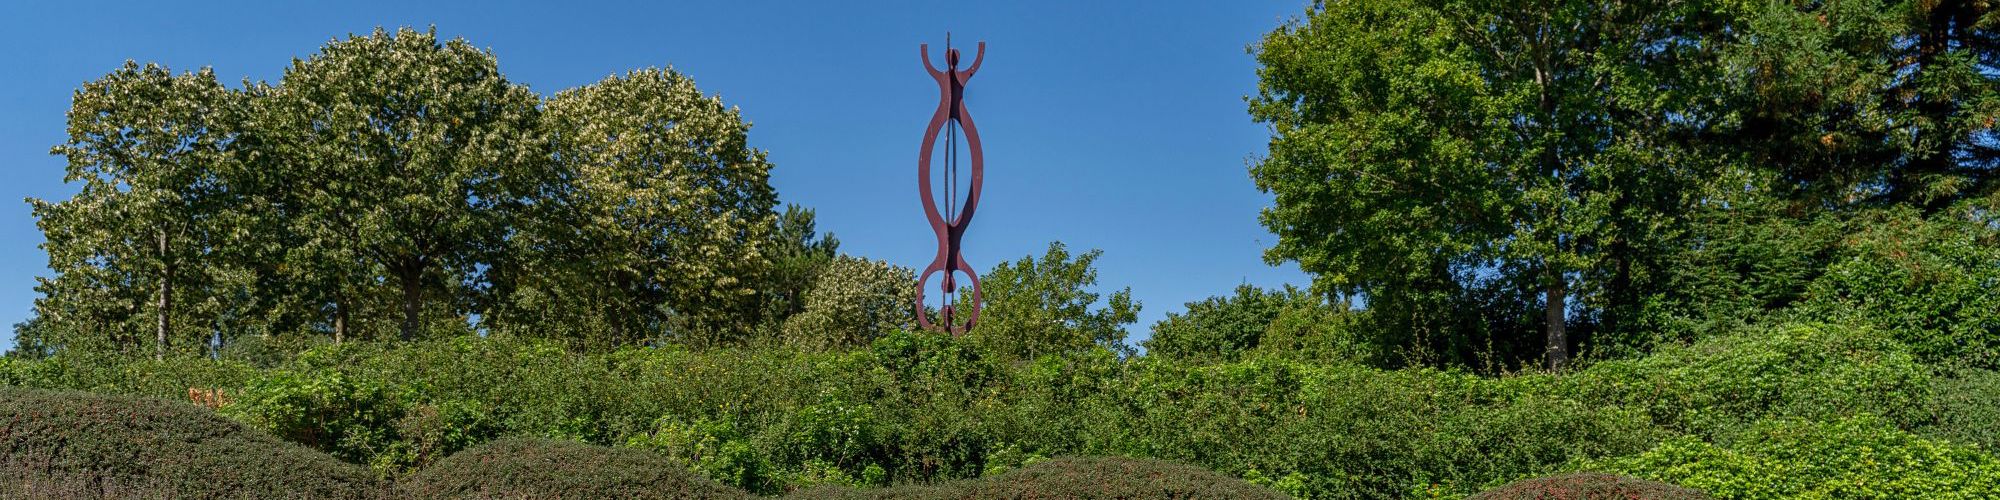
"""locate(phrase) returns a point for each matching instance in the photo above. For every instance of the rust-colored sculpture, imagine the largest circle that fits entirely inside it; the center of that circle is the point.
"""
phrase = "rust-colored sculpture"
(950, 223)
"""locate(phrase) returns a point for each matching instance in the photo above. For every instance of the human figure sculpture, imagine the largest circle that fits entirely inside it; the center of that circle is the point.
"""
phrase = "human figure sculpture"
(950, 223)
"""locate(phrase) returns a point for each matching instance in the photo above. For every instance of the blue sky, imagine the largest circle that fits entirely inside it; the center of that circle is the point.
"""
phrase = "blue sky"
(1119, 127)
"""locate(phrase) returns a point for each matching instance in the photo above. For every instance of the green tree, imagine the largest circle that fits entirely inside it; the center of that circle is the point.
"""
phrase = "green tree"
(1039, 306)
(852, 302)
(799, 256)
(665, 228)
(1867, 102)
(137, 242)
(403, 159)
(1440, 156)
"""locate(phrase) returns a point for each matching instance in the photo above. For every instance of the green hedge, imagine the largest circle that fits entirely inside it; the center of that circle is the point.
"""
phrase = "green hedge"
(546, 468)
(1930, 282)
(131, 376)
(1589, 486)
(75, 444)
(1080, 477)
(1965, 408)
(1722, 384)
(1323, 430)
(926, 409)
(1856, 458)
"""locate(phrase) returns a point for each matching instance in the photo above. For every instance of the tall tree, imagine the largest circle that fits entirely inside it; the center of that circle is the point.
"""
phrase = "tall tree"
(664, 228)
(403, 157)
(1426, 152)
(147, 146)
(798, 255)
(1869, 102)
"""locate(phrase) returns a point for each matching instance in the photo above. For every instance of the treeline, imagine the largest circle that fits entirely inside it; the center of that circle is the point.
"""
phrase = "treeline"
(1472, 184)
(1509, 183)
(396, 186)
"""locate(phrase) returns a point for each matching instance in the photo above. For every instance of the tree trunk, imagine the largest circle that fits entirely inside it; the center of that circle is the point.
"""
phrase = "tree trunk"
(413, 299)
(164, 304)
(1558, 340)
(339, 320)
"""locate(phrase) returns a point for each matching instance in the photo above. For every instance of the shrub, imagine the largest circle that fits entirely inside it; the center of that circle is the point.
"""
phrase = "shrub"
(399, 407)
(1965, 408)
(1316, 331)
(1792, 458)
(919, 408)
(1588, 486)
(1331, 430)
(64, 443)
(133, 376)
(1725, 382)
(544, 468)
(1081, 477)
(1223, 327)
(714, 449)
(1932, 283)
(905, 492)
(1115, 477)
(349, 417)
(1287, 322)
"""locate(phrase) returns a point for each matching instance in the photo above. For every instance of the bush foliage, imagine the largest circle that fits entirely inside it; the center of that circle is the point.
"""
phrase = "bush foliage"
(1072, 477)
(546, 468)
(914, 408)
(74, 444)
(1847, 458)
(1588, 486)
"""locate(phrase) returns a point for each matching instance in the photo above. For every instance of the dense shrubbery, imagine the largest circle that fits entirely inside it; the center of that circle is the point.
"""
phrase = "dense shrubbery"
(1325, 430)
(1281, 389)
(1091, 477)
(1588, 486)
(106, 374)
(1723, 383)
(1933, 283)
(926, 408)
(545, 468)
(921, 408)
(1289, 322)
(73, 444)
(1965, 408)
(1846, 458)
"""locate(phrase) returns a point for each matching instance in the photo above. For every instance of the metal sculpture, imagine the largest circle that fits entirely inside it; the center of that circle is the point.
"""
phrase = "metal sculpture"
(951, 222)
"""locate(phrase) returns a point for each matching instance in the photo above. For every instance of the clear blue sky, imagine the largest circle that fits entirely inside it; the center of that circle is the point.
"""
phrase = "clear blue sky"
(1120, 127)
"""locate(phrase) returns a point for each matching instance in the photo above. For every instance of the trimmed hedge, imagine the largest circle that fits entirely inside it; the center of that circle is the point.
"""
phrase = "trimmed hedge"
(1589, 486)
(75, 444)
(548, 468)
(1077, 477)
